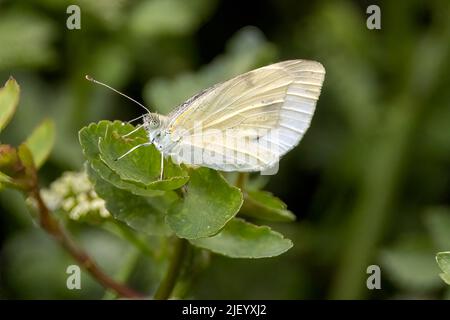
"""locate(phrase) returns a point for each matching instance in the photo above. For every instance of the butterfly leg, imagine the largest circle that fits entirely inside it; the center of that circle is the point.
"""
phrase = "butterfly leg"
(131, 132)
(132, 149)
(162, 167)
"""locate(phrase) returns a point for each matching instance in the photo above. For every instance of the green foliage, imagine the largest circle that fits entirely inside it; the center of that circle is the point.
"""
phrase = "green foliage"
(145, 214)
(9, 98)
(361, 182)
(208, 204)
(41, 142)
(202, 206)
(263, 205)
(18, 165)
(438, 223)
(142, 166)
(103, 143)
(443, 260)
(240, 239)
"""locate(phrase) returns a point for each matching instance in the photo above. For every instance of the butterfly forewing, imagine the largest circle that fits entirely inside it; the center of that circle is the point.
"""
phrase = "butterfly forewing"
(249, 122)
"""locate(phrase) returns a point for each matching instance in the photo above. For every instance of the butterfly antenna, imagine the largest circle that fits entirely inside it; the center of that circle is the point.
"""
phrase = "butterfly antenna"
(89, 78)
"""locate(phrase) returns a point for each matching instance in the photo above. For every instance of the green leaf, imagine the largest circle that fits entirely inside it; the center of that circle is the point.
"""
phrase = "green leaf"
(17, 167)
(240, 239)
(145, 214)
(9, 160)
(110, 176)
(141, 166)
(91, 136)
(5, 179)
(26, 179)
(443, 260)
(209, 203)
(263, 205)
(41, 142)
(26, 157)
(9, 98)
(445, 277)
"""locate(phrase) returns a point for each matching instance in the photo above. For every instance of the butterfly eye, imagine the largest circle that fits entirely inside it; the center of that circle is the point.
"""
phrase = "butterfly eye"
(152, 121)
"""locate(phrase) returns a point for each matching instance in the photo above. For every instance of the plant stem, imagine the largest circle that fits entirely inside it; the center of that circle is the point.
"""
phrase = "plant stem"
(52, 226)
(169, 281)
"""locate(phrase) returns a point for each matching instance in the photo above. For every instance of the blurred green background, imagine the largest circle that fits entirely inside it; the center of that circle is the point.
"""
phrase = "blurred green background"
(369, 183)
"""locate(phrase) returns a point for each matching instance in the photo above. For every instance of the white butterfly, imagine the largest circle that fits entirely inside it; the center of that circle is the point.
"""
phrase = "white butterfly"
(244, 124)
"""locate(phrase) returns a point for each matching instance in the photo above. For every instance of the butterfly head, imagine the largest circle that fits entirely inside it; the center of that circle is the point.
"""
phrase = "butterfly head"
(154, 125)
(152, 122)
